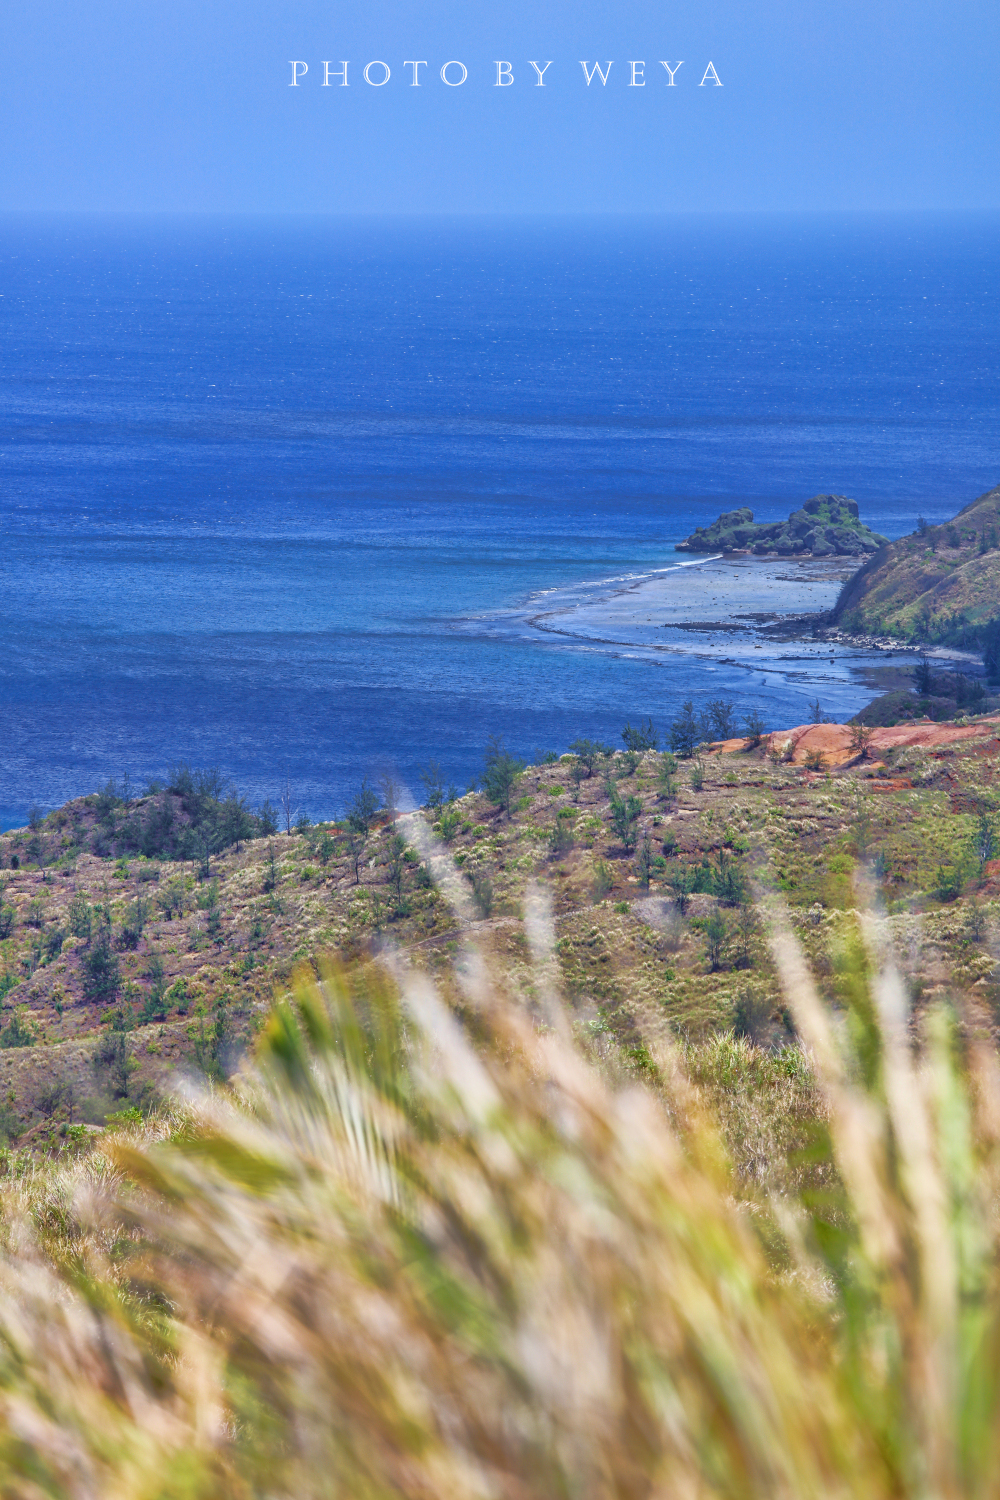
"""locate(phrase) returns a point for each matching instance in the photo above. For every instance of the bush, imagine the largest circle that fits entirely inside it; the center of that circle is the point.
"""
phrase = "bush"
(603, 879)
(561, 839)
(751, 1016)
(17, 1032)
(101, 976)
(589, 753)
(449, 823)
(728, 882)
(482, 893)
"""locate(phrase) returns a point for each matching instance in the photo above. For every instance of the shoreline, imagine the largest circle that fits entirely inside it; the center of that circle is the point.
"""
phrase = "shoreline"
(729, 606)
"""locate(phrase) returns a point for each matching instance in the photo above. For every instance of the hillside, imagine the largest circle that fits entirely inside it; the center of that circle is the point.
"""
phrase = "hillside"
(123, 974)
(939, 586)
(825, 526)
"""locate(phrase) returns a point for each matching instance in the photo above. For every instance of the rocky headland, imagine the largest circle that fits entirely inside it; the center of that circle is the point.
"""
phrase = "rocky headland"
(825, 526)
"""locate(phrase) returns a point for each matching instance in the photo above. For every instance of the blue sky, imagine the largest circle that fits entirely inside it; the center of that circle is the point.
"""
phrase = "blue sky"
(184, 105)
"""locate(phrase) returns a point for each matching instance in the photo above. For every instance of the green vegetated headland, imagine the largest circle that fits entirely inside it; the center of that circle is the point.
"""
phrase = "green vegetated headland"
(825, 526)
(637, 1135)
(939, 586)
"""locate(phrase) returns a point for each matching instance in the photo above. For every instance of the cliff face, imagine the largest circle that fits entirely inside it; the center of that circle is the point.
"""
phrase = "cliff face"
(826, 526)
(940, 585)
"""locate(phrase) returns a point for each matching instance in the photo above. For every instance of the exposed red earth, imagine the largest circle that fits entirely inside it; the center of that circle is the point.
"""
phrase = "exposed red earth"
(838, 746)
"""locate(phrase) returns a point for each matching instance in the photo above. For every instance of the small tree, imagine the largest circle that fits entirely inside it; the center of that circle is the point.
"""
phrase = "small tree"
(113, 1054)
(715, 938)
(482, 892)
(363, 808)
(589, 753)
(682, 883)
(433, 785)
(603, 879)
(500, 773)
(287, 806)
(396, 866)
(923, 681)
(155, 1006)
(685, 731)
(747, 927)
(991, 652)
(101, 976)
(755, 726)
(645, 860)
(17, 1032)
(728, 881)
(984, 840)
(80, 917)
(390, 790)
(449, 823)
(625, 815)
(668, 776)
(719, 719)
(356, 845)
(561, 841)
(641, 737)
(751, 1016)
(816, 712)
(267, 819)
(861, 738)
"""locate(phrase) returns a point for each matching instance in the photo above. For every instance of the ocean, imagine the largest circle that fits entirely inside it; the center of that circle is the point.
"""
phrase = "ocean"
(280, 495)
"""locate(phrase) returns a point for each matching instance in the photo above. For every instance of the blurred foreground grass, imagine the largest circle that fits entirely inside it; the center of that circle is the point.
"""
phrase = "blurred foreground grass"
(431, 1254)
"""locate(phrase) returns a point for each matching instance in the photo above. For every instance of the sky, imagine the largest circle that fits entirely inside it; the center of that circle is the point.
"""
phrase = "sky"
(186, 105)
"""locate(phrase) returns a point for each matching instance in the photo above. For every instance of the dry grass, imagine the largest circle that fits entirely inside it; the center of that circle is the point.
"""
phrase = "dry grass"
(422, 1255)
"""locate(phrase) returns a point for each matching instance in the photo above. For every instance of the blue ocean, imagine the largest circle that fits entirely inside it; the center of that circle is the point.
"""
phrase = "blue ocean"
(276, 494)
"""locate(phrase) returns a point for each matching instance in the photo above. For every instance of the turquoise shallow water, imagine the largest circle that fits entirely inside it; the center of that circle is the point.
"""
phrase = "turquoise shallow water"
(273, 493)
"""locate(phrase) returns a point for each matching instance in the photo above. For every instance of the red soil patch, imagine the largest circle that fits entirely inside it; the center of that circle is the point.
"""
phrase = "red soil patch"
(833, 741)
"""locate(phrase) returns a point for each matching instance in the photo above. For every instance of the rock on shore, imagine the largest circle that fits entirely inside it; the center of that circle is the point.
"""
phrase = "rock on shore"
(826, 526)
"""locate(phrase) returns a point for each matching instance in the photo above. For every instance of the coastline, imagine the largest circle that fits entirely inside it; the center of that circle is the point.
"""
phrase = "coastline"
(741, 611)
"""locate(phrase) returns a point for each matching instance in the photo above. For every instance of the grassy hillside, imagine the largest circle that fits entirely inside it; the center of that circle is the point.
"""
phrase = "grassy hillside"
(583, 1171)
(122, 974)
(939, 586)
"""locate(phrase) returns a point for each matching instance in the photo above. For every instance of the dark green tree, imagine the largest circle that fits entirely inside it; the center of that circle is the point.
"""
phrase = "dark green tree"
(625, 815)
(433, 785)
(923, 681)
(685, 731)
(363, 808)
(589, 753)
(640, 737)
(101, 976)
(501, 771)
(715, 938)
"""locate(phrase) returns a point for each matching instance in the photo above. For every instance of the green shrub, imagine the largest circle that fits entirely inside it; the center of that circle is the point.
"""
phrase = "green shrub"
(17, 1032)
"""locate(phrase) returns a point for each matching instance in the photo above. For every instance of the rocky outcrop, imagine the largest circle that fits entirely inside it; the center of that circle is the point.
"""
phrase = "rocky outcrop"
(826, 526)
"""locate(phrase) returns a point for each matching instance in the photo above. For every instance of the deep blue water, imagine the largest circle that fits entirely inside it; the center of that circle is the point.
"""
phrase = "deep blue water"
(253, 471)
